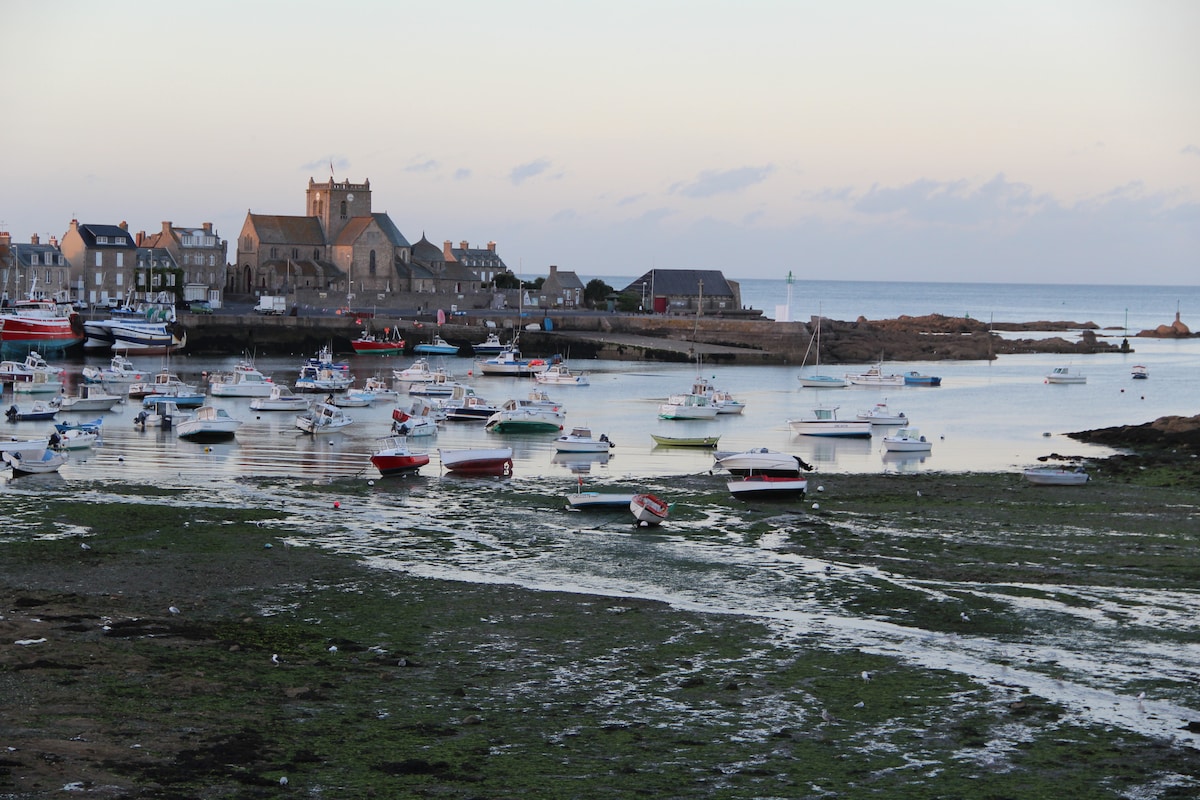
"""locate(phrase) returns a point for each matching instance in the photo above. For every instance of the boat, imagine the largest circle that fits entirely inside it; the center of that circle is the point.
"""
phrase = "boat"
(687, 406)
(493, 461)
(39, 383)
(724, 400)
(38, 323)
(580, 440)
(281, 399)
(151, 329)
(183, 396)
(368, 344)
(74, 439)
(40, 410)
(164, 382)
(353, 398)
(322, 418)
(1065, 375)
(14, 372)
(761, 461)
(648, 510)
(880, 414)
(561, 375)
(772, 486)
(509, 361)
(418, 372)
(437, 346)
(685, 441)
(1139, 372)
(524, 416)
(209, 423)
(440, 384)
(90, 397)
(816, 380)
(914, 378)
(489, 347)
(392, 457)
(466, 406)
(117, 376)
(824, 422)
(321, 374)
(907, 440)
(243, 381)
(161, 413)
(93, 425)
(28, 464)
(417, 421)
(875, 376)
(582, 501)
(379, 387)
(26, 448)
(1056, 476)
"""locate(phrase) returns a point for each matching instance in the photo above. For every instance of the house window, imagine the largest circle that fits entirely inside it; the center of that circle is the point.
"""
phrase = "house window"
(212, 259)
(99, 278)
(99, 259)
(101, 240)
(120, 259)
(48, 279)
(170, 279)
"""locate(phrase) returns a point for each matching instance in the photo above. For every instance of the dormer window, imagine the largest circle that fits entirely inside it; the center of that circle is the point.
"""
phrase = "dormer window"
(101, 240)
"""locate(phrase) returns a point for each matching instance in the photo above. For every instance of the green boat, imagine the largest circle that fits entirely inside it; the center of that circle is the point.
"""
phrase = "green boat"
(685, 441)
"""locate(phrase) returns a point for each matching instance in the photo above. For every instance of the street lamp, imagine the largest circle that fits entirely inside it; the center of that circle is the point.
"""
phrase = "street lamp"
(642, 307)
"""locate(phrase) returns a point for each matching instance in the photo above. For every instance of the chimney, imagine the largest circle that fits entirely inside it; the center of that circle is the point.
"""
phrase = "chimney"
(463, 245)
(553, 270)
(54, 241)
(35, 239)
(447, 250)
(207, 227)
(123, 225)
(140, 238)
(492, 246)
(5, 239)
(167, 228)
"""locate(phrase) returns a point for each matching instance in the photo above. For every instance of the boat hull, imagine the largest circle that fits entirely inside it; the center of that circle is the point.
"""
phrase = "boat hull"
(779, 487)
(599, 500)
(491, 462)
(1056, 477)
(389, 463)
(34, 464)
(685, 441)
(840, 428)
(648, 510)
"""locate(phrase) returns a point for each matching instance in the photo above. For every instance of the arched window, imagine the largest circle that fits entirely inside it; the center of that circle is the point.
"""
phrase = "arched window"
(343, 209)
(372, 268)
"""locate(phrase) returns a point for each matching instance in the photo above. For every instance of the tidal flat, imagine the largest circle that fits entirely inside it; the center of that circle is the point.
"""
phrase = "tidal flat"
(912, 636)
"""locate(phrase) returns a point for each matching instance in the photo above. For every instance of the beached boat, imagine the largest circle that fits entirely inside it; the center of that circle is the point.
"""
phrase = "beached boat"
(582, 501)
(561, 375)
(90, 397)
(761, 461)
(368, 344)
(1139, 372)
(322, 418)
(34, 464)
(244, 381)
(489, 347)
(687, 406)
(437, 346)
(823, 421)
(685, 441)
(580, 440)
(880, 414)
(40, 410)
(524, 416)
(907, 440)
(914, 378)
(875, 376)
(1065, 375)
(208, 424)
(281, 399)
(816, 380)
(1056, 476)
(492, 461)
(392, 456)
(648, 510)
(28, 448)
(768, 486)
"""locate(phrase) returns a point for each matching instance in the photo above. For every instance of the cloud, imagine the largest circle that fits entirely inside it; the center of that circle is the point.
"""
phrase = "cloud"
(566, 215)
(630, 199)
(714, 182)
(955, 202)
(524, 172)
(1191, 150)
(461, 174)
(334, 163)
(428, 165)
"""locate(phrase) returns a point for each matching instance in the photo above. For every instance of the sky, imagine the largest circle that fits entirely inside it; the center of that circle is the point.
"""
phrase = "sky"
(927, 140)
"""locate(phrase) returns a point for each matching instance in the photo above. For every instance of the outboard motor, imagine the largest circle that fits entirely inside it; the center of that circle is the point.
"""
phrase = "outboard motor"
(11, 413)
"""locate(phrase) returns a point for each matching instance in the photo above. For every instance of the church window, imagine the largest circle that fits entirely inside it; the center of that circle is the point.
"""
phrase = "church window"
(372, 267)
(295, 252)
(274, 252)
(343, 209)
(316, 253)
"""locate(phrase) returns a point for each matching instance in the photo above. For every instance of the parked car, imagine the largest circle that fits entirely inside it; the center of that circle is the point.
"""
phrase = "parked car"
(200, 307)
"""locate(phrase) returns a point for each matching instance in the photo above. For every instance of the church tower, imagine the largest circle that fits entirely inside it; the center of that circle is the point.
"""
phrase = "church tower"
(335, 202)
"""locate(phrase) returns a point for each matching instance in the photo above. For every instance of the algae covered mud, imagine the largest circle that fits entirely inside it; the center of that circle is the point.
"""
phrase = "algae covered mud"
(912, 636)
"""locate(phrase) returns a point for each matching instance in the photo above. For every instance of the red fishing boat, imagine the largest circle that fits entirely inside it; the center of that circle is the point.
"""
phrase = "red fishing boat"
(368, 344)
(392, 457)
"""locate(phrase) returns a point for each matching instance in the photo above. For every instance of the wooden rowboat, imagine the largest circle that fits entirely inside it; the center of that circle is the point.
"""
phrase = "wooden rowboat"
(685, 441)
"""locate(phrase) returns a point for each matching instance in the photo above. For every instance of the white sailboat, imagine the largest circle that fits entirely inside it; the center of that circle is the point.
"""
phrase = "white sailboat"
(816, 380)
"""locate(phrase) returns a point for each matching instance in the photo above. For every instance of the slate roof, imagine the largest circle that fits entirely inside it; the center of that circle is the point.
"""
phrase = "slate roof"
(685, 282)
(117, 236)
(479, 257)
(561, 281)
(22, 254)
(355, 227)
(279, 229)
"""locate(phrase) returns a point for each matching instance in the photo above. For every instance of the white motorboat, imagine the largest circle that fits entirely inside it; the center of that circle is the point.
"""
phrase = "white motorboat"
(354, 398)
(561, 375)
(40, 410)
(1056, 476)
(323, 418)
(243, 381)
(379, 387)
(1139, 372)
(418, 372)
(687, 406)
(117, 376)
(34, 464)
(321, 374)
(161, 413)
(27, 448)
(599, 500)
(39, 383)
(489, 347)
(74, 439)
(491, 461)
(724, 400)
(525, 416)
(1065, 375)
(281, 398)
(824, 422)
(580, 440)
(907, 440)
(21, 371)
(466, 406)
(440, 384)
(880, 414)
(90, 397)
(164, 383)
(648, 510)
(392, 456)
(771, 486)
(419, 420)
(208, 423)
(761, 462)
(875, 376)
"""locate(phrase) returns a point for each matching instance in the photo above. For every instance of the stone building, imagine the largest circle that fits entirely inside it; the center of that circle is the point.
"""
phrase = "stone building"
(687, 291)
(103, 261)
(485, 262)
(561, 289)
(34, 266)
(197, 253)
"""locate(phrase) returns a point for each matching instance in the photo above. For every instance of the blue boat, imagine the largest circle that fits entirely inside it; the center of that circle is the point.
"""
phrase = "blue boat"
(915, 378)
(437, 347)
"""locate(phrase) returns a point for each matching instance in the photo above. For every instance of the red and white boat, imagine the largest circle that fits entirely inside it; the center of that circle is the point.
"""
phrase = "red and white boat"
(368, 344)
(648, 510)
(392, 457)
(39, 324)
(776, 486)
(495, 461)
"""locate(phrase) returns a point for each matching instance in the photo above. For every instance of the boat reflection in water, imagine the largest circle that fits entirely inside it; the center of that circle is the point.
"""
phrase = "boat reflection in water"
(845, 453)
(899, 461)
(580, 463)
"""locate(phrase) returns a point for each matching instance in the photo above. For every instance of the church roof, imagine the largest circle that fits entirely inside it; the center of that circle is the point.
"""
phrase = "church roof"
(280, 229)
(356, 225)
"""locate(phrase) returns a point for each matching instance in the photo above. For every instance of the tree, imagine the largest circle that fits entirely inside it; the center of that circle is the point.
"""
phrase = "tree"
(596, 293)
(506, 280)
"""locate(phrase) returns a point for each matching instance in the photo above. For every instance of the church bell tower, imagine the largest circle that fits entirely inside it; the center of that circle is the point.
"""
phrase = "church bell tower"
(335, 202)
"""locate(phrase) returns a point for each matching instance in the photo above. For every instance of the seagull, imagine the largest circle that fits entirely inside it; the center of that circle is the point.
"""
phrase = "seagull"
(866, 676)
(333, 648)
(275, 659)
(283, 781)
(85, 546)
(964, 617)
(173, 610)
(860, 704)
(829, 718)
